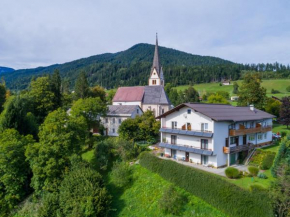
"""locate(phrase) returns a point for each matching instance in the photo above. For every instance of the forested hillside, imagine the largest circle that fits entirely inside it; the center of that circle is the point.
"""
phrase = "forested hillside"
(5, 69)
(131, 67)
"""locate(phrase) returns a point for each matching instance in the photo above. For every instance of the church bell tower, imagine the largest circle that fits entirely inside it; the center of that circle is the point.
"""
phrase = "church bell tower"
(156, 74)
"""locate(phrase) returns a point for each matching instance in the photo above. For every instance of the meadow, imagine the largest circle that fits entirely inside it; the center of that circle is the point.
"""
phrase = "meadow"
(277, 84)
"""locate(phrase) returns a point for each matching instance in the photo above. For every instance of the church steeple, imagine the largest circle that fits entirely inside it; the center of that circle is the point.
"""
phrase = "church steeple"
(156, 75)
(156, 63)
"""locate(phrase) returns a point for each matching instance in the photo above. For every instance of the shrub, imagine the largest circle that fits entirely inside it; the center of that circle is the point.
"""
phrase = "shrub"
(231, 198)
(279, 156)
(275, 91)
(232, 172)
(171, 201)
(253, 170)
(283, 134)
(267, 161)
(288, 88)
(262, 175)
(257, 188)
(121, 174)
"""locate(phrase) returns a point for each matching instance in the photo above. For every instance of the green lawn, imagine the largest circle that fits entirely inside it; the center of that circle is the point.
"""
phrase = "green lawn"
(280, 128)
(277, 84)
(141, 198)
(246, 182)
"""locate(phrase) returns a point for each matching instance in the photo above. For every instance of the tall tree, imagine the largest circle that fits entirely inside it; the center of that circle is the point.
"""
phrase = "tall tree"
(14, 169)
(251, 91)
(60, 137)
(235, 88)
(285, 111)
(273, 107)
(43, 96)
(2, 96)
(98, 91)
(56, 88)
(82, 89)
(191, 95)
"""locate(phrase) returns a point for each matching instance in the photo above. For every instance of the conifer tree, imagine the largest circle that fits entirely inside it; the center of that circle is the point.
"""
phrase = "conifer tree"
(285, 111)
(82, 89)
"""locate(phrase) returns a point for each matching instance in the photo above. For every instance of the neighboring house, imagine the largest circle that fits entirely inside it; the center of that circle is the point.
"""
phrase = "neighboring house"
(234, 98)
(226, 82)
(151, 97)
(213, 134)
(116, 115)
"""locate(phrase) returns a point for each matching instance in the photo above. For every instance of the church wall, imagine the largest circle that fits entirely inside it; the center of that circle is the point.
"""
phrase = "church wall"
(128, 103)
(156, 108)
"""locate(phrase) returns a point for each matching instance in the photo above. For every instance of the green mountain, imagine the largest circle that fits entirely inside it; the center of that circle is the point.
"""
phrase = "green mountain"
(5, 69)
(130, 67)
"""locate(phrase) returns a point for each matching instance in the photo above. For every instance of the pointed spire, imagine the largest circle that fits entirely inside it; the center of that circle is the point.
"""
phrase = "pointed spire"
(156, 63)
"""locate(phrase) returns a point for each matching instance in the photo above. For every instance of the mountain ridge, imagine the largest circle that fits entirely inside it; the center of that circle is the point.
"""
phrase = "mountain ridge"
(140, 54)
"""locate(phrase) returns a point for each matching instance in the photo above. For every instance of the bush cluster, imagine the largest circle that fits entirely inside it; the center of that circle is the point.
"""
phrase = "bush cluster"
(281, 153)
(253, 170)
(121, 174)
(267, 161)
(225, 196)
(262, 176)
(232, 172)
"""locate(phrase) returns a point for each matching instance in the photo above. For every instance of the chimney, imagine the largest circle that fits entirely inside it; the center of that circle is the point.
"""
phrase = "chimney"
(252, 108)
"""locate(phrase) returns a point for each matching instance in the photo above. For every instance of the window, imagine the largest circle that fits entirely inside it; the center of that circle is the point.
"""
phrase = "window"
(204, 143)
(174, 125)
(188, 126)
(107, 120)
(189, 111)
(154, 113)
(204, 159)
(173, 140)
(137, 111)
(251, 137)
(162, 111)
(120, 120)
(252, 125)
(204, 127)
(265, 135)
(113, 130)
(113, 120)
(232, 140)
(260, 136)
(154, 82)
(232, 127)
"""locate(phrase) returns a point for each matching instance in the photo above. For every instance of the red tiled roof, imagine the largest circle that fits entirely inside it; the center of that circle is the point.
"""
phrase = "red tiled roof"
(129, 94)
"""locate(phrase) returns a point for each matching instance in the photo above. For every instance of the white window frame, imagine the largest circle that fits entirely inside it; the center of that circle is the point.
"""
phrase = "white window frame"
(251, 137)
(204, 127)
(260, 136)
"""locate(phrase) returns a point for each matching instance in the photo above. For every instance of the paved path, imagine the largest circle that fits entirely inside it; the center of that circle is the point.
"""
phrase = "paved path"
(218, 171)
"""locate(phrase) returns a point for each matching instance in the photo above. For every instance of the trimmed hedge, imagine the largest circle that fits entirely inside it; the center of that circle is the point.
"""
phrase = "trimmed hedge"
(253, 170)
(232, 172)
(215, 190)
(280, 155)
(267, 161)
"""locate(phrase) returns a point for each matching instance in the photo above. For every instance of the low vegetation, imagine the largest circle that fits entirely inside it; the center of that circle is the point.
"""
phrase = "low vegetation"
(253, 170)
(232, 172)
(209, 187)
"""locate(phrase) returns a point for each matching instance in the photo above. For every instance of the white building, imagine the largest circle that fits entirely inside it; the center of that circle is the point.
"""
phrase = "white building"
(152, 97)
(116, 115)
(213, 134)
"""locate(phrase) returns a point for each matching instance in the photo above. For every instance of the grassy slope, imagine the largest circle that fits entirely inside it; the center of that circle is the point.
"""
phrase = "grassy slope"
(141, 198)
(268, 84)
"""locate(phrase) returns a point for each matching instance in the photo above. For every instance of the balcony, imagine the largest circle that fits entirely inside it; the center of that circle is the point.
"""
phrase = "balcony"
(187, 148)
(239, 148)
(244, 131)
(187, 131)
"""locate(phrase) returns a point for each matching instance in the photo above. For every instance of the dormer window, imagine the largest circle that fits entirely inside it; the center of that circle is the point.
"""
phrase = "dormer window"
(189, 111)
(154, 82)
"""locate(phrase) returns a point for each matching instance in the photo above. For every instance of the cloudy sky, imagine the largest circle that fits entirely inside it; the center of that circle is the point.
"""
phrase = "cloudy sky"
(43, 32)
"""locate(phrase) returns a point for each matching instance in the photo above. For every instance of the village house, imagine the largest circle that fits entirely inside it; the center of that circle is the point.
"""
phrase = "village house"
(152, 97)
(213, 134)
(116, 115)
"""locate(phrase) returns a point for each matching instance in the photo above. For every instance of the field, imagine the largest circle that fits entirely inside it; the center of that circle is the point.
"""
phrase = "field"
(141, 198)
(279, 84)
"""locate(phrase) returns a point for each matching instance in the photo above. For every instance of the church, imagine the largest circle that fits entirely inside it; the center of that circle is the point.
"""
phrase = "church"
(151, 97)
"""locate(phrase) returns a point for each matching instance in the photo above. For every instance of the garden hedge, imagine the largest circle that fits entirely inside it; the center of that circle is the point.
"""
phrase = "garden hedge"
(215, 190)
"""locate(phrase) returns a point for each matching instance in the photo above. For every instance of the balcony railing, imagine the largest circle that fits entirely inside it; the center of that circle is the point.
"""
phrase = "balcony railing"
(188, 129)
(243, 131)
(189, 146)
(239, 148)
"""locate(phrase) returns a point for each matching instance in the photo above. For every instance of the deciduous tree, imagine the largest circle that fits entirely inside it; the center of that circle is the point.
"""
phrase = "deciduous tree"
(82, 89)
(285, 111)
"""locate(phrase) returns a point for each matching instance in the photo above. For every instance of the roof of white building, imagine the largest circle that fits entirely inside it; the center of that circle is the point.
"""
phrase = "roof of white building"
(221, 112)
(122, 110)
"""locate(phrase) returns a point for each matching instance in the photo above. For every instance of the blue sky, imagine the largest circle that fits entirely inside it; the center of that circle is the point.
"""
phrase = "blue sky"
(40, 33)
